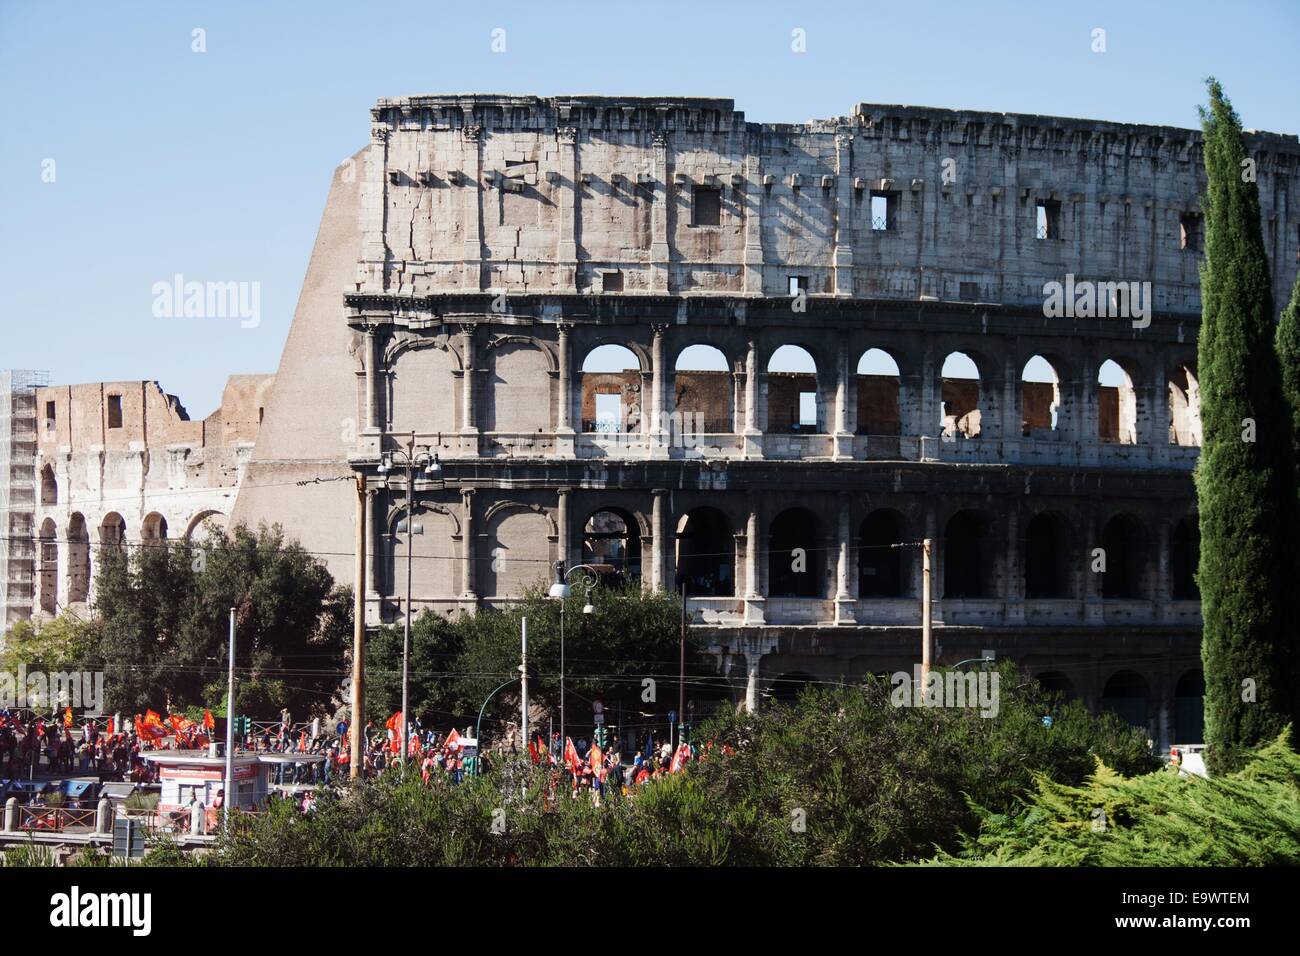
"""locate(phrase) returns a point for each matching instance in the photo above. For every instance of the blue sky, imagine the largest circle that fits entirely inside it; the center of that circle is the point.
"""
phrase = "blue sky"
(214, 165)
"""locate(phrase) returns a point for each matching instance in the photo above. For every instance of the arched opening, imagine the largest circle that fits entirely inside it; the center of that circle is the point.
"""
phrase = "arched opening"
(1055, 682)
(518, 394)
(1046, 564)
(1126, 694)
(794, 559)
(1124, 541)
(154, 528)
(785, 690)
(706, 554)
(1116, 405)
(1040, 400)
(967, 556)
(1184, 558)
(878, 386)
(1189, 708)
(793, 402)
(611, 390)
(204, 523)
(49, 568)
(78, 558)
(49, 487)
(1184, 407)
(703, 391)
(959, 414)
(880, 562)
(611, 541)
(112, 530)
(432, 562)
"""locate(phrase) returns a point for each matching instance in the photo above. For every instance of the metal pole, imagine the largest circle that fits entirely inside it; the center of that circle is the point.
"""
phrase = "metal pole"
(230, 726)
(406, 632)
(523, 671)
(681, 680)
(563, 737)
(927, 643)
(356, 758)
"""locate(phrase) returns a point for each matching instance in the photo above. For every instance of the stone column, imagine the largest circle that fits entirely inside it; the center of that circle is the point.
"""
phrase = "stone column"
(753, 665)
(753, 566)
(378, 546)
(374, 358)
(1162, 592)
(564, 433)
(738, 398)
(928, 406)
(658, 539)
(472, 208)
(468, 396)
(659, 253)
(1160, 416)
(656, 406)
(469, 589)
(844, 604)
(1012, 414)
(842, 440)
(1015, 583)
(568, 195)
(753, 437)
(562, 523)
(754, 193)
(1093, 611)
(1086, 414)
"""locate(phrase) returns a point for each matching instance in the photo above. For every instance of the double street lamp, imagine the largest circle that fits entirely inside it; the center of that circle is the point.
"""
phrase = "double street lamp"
(409, 459)
(587, 578)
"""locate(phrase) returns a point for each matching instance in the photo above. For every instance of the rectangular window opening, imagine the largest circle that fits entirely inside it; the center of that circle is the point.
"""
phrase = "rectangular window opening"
(49, 414)
(707, 206)
(609, 413)
(612, 281)
(1048, 219)
(884, 211)
(796, 284)
(807, 411)
(115, 411)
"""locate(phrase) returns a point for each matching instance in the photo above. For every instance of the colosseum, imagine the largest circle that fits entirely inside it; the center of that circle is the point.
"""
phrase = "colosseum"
(762, 362)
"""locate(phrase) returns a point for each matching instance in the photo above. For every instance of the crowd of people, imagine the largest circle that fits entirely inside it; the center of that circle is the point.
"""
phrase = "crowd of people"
(32, 745)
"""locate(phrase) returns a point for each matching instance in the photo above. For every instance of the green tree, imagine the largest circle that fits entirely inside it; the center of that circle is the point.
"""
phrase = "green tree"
(163, 624)
(1288, 354)
(64, 643)
(1246, 476)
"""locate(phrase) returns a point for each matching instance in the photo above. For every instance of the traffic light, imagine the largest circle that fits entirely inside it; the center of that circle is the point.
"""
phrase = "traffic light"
(602, 736)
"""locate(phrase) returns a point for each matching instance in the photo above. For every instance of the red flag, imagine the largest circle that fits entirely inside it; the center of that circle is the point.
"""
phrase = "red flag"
(532, 751)
(67, 717)
(680, 758)
(208, 722)
(453, 741)
(109, 730)
(394, 724)
(571, 756)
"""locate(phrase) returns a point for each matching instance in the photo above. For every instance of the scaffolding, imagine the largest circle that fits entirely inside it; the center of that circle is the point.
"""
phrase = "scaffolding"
(18, 491)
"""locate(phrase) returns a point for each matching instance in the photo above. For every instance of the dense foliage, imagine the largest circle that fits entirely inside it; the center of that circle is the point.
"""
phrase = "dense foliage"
(842, 777)
(1247, 818)
(1246, 474)
(163, 621)
(631, 638)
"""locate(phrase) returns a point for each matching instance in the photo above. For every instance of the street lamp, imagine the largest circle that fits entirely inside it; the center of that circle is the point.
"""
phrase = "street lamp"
(588, 578)
(409, 459)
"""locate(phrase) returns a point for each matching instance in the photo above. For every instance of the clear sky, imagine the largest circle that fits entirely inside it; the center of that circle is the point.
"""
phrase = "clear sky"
(215, 165)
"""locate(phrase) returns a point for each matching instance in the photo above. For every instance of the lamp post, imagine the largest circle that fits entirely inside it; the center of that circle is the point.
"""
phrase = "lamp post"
(588, 578)
(408, 459)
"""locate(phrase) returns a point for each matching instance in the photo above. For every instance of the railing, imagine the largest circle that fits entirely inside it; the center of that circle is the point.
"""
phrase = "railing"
(53, 819)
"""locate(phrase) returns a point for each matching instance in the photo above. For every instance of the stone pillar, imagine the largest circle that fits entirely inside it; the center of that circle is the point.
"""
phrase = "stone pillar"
(1160, 415)
(928, 406)
(1161, 590)
(753, 665)
(11, 815)
(562, 523)
(935, 534)
(753, 437)
(738, 398)
(754, 193)
(472, 208)
(374, 358)
(1087, 424)
(658, 534)
(659, 253)
(842, 257)
(1012, 413)
(842, 440)
(753, 566)
(568, 195)
(656, 406)
(469, 590)
(378, 550)
(564, 433)
(1014, 601)
(104, 813)
(1093, 611)
(844, 603)
(468, 393)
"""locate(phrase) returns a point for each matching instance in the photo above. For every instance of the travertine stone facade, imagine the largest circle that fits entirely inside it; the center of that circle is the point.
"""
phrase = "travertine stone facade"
(481, 248)
(122, 464)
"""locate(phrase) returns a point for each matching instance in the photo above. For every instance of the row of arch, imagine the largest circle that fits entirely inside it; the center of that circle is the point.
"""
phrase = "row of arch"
(77, 537)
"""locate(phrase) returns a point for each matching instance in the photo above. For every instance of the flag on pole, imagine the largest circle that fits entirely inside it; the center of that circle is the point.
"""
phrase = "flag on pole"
(571, 756)
(453, 741)
(394, 725)
(680, 758)
(208, 722)
(67, 717)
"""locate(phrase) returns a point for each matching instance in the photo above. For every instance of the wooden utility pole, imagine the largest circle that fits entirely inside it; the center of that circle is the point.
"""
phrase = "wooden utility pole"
(356, 757)
(927, 635)
(681, 673)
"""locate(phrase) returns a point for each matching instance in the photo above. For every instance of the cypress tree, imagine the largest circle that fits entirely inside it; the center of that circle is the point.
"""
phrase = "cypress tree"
(1246, 477)
(1288, 355)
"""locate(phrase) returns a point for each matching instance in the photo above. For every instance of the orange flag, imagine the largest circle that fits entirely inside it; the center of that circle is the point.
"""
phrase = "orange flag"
(394, 723)
(109, 730)
(67, 717)
(208, 722)
(453, 741)
(571, 756)
(680, 759)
